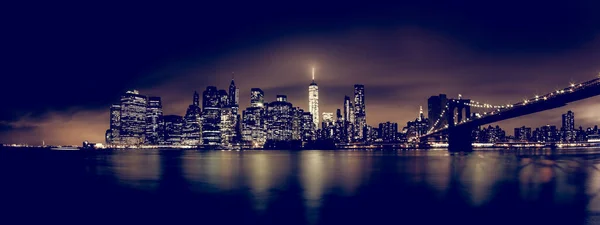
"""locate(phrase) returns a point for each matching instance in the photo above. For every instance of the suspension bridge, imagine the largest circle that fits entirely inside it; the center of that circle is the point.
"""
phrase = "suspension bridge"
(459, 127)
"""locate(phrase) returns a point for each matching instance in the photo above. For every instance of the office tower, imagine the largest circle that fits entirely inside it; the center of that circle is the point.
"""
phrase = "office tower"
(154, 114)
(418, 127)
(257, 97)
(223, 98)
(279, 120)
(227, 126)
(523, 134)
(112, 134)
(568, 121)
(297, 123)
(192, 127)
(173, 128)
(360, 114)
(327, 126)
(133, 118)
(388, 132)
(568, 132)
(313, 100)
(233, 97)
(347, 109)
(254, 128)
(211, 117)
(308, 129)
(435, 106)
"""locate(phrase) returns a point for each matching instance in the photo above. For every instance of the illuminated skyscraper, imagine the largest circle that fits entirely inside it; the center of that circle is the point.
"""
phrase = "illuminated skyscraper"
(313, 100)
(327, 126)
(308, 129)
(133, 118)
(279, 120)
(254, 128)
(192, 130)
(360, 114)
(388, 131)
(112, 134)
(173, 127)
(568, 121)
(257, 97)
(154, 114)
(211, 117)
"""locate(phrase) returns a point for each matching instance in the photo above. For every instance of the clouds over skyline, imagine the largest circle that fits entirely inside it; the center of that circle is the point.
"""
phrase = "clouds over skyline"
(400, 67)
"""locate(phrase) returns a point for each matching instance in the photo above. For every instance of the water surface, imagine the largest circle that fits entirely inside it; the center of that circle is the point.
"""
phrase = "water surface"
(300, 187)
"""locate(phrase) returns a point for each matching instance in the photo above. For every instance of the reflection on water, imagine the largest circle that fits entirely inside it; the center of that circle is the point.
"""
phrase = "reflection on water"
(317, 187)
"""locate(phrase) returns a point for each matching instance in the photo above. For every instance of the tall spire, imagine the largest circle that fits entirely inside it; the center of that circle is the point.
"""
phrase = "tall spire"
(313, 74)
(420, 118)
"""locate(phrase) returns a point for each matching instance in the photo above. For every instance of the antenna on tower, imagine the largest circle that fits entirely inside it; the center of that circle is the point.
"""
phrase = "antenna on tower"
(313, 73)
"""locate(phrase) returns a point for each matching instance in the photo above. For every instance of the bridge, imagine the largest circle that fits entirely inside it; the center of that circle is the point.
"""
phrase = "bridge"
(459, 127)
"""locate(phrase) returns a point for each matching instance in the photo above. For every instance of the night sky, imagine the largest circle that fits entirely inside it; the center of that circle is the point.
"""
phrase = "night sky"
(64, 64)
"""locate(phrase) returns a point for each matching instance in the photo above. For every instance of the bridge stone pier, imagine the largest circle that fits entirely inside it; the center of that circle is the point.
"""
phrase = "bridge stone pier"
(459, 137)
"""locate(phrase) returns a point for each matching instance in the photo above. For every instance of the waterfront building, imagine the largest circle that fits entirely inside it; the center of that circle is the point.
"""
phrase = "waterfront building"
(192, 129)
(211, 117)
(388, 132)
(360, 114)
(279, 120)
(133, 118)
(154, 114)
(254, 128)
(173, 127)
(522, 134)
(112, 134)
(313, 100)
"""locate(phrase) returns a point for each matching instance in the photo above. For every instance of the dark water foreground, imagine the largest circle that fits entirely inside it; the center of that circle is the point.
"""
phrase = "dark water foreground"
(305, 187)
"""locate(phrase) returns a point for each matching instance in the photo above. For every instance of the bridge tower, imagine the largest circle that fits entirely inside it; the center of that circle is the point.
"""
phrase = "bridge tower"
(459, 137)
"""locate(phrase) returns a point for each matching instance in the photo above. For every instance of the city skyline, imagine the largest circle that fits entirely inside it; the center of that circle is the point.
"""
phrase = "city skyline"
(402, 58)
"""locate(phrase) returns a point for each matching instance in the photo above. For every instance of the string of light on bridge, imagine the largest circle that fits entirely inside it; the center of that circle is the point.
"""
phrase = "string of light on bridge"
(499, 108)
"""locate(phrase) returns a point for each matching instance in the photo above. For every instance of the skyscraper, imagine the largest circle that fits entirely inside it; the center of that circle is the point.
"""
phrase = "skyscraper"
(279, 120)
(257, 97)
(360, 114)
(233, 97)
(173, 127)
(347, 109)
(313, 100)
(133, 118)
(211, 117)
(568, 121)
(388, 131)
(112, 134)
(568, 132)
(254, 128)
(192, 130)
(308, 130)
(435, 106)
(154, 114)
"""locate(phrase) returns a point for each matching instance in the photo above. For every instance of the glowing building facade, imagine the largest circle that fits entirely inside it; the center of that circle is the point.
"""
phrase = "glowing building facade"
(154, 115)
(133, 118)
(192, 127)
(313, 100)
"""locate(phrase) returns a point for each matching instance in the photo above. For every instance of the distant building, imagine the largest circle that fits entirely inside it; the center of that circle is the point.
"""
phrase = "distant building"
(279, 120)
(173, 127)
(211, 117)
(418, 127)
(297, 123)
(227, 126)
(192, 127)
(489, 135)
(522, 134)
(112, 134)
(313, 100)
(257, 97)
(360, 114)
(435, 106)
(308, 129)
(154, 114)
(254, 127)
(327, 126)
(568, 132)
(133, 118)
(388, 132)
